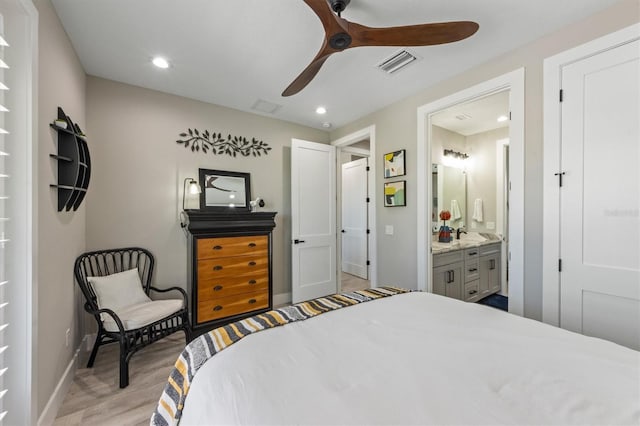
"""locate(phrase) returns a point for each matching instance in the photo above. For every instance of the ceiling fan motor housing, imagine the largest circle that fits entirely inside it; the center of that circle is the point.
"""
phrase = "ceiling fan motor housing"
(339, 5)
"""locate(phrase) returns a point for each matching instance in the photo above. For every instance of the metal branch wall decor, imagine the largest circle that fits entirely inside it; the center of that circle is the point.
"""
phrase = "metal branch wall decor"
(219, 145)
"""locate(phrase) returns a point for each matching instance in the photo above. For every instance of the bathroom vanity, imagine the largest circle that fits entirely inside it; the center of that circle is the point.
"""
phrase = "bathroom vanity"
(467, 270)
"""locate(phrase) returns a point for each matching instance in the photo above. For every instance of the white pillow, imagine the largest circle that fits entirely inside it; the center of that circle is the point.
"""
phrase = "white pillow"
(116, 291)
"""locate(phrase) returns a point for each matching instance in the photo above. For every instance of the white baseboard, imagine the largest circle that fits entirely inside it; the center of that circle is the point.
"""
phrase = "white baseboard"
(50, 411)
(281, 299)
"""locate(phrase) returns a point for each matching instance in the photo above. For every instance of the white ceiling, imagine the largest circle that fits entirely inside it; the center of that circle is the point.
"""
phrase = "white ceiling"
(236, 52)
(474, 117)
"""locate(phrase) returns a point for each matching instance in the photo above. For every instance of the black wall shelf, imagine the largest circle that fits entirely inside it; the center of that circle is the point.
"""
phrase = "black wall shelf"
(74, 163)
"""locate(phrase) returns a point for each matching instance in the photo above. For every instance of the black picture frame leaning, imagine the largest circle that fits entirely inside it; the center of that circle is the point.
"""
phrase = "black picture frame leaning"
(224, 191)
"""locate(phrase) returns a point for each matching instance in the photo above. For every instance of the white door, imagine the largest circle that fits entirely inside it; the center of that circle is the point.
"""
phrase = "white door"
(313, 220)
(354, 218)
(600, 196)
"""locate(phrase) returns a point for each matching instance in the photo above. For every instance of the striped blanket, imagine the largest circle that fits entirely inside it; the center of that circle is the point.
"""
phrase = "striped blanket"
(169, 409)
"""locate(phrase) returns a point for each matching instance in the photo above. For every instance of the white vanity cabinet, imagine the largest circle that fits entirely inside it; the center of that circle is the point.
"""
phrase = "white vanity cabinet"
(467, 274)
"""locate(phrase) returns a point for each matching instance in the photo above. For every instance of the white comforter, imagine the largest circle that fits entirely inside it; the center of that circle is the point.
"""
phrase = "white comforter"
(417, 358)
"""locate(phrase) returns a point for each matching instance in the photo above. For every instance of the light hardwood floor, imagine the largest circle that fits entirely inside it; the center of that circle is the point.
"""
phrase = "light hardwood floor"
(353, 283)
(95, 398)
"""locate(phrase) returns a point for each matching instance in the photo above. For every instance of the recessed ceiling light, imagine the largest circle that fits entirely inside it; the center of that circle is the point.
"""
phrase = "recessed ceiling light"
(502, 118)
(321, 110)
(160, 62)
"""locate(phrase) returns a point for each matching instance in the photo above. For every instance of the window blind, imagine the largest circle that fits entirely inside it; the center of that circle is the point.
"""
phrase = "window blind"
(5, 232)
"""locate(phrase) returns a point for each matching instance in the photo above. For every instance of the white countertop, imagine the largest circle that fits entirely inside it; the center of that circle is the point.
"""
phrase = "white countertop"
(472, 239)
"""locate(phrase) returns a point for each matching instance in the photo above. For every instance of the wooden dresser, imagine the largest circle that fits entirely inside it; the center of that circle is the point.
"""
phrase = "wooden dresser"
(230, 269)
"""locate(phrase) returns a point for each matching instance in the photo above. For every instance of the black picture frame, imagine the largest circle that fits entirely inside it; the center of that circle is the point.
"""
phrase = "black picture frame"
(231, 193)
(395, 193)
(394, 163)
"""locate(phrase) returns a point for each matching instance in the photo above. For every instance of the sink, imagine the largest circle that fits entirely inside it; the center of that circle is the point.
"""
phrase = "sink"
(472, 237)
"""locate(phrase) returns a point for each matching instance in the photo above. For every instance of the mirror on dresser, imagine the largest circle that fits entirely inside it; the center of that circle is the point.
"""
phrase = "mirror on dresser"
(449, 193)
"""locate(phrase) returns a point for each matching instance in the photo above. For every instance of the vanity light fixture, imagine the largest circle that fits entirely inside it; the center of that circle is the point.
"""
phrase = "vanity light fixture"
(160, 62)
(455, 154)
(321, 110)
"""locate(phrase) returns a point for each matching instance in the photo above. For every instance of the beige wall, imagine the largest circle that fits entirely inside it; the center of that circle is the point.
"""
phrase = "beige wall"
(138, 171)
(60, 236)
(481, 176)
(396, 128)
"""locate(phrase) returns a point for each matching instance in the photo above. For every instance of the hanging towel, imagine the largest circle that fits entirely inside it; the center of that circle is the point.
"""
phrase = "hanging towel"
(455, 210)
(477, 210)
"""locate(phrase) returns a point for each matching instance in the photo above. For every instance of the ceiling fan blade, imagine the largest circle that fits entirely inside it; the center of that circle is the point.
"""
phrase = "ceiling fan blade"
(412, 35)
(330, 21)
(309, 72)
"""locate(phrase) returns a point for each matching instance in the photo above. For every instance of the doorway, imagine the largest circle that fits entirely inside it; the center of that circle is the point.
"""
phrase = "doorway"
(356, 148)
(514, 83)
(472, 184)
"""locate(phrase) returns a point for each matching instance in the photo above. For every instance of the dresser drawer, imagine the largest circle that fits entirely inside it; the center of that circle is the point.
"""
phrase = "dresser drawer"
(232, 305)
(231, 266)
(471, 270)
(209, 248)
(228, 286)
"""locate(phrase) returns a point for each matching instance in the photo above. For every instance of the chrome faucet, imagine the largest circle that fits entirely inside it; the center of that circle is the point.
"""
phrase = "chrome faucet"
(458, 232)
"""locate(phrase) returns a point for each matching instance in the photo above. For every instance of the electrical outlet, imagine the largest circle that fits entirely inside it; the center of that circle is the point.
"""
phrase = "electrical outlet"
(491, 225)
(67, 337)
(388, 229)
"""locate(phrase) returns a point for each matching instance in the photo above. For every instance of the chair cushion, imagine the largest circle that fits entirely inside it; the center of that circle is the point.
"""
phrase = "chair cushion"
(141, 314)
(118, 290)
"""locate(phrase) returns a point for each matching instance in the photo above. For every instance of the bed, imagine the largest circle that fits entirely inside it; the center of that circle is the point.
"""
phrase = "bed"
(392, 356)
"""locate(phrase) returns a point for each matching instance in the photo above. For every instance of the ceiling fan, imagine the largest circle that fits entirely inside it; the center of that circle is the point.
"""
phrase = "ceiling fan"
(341, 34)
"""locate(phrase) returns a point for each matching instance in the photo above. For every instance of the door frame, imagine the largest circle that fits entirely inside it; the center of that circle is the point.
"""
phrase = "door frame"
(501, 210)
(552, 144)
(357, 136)
(513, 81)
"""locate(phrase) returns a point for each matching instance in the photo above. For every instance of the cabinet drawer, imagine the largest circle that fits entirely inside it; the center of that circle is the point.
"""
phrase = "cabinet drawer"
(471, 270)
(490, 249)
(472, 291)
(472, 253)
(228, 286)
(209, 248)
(233, 305)
(231, 266)
(447, 258)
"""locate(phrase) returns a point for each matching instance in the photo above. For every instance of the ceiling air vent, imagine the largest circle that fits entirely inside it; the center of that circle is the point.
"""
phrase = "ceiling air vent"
(396, 62)
(265, 106)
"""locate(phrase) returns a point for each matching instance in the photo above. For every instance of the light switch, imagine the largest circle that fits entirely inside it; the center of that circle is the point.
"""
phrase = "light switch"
(474, 225)
(388, 229)
(491, 225)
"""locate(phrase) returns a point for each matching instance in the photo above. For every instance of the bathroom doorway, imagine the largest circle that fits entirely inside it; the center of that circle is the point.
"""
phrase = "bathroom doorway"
(469, 150)
(513, 82)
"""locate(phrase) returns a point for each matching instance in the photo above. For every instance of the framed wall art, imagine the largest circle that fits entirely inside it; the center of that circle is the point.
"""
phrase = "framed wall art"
(395, 194)
(223, 190)
(394, 164)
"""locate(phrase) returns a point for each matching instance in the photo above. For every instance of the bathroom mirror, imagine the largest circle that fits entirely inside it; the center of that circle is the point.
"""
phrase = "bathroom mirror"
(449, 193)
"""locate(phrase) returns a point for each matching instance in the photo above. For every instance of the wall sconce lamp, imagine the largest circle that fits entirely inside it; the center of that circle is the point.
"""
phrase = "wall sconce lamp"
(455, 154)
(190, 186)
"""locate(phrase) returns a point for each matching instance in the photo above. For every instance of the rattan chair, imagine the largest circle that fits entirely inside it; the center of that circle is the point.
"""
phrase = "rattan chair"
(130, 327)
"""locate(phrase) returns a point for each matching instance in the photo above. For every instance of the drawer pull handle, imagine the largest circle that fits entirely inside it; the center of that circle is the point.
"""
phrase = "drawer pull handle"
(252, 301)
(473, 253)
(252, 263)
(492, 264)
(217, 308)
(217, 247)
(252, 282)
(473, 291)
(217, 288)
(252, 244)
(217, 268)
(473, 269)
